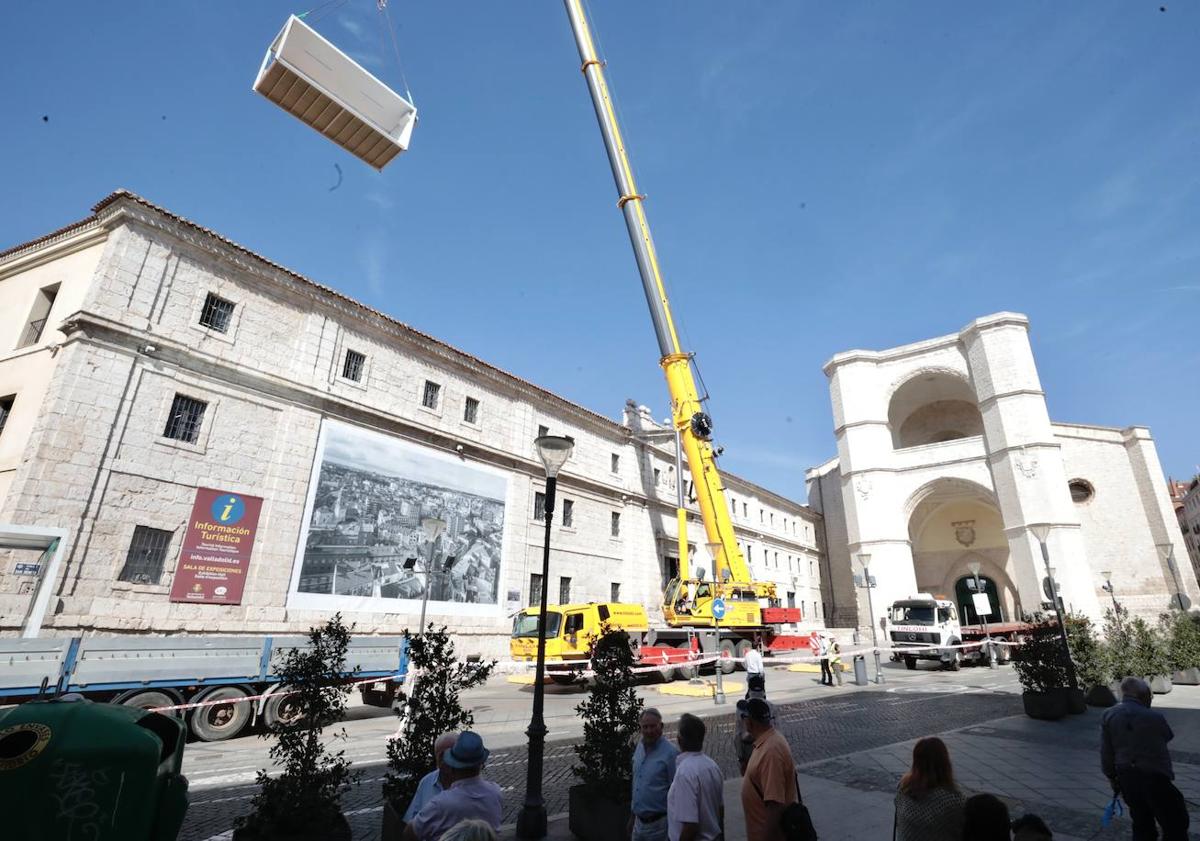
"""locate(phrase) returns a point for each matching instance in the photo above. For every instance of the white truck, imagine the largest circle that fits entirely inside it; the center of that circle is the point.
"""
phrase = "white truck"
(929, 626)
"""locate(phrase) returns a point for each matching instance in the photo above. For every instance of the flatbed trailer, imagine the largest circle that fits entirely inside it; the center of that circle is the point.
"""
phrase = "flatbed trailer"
(219, 685)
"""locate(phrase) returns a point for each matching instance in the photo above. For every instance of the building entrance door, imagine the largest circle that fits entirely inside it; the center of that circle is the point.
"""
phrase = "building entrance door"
(964, 592)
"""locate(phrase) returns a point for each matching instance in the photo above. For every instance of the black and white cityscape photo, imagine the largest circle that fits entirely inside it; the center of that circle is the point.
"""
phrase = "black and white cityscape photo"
(375, 501)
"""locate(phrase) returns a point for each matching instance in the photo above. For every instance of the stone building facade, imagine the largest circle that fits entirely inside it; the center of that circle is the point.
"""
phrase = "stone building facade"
(169, 359)
(1187, 512)
(947, 457)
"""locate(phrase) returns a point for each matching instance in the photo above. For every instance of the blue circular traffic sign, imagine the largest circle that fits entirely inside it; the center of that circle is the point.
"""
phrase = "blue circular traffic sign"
(718, 608)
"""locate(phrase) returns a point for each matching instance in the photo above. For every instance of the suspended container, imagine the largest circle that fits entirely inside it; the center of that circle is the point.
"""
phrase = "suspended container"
(313, 80)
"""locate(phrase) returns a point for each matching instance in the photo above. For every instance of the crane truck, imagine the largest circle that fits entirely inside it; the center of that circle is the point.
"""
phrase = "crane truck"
(752, 615)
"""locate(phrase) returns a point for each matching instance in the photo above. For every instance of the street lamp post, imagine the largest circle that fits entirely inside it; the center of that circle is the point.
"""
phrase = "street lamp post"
(864, 558)
(1107, 587)
(554, 450)
(433, 528)
(1041, 531)
(974, 567)
(1167, 551)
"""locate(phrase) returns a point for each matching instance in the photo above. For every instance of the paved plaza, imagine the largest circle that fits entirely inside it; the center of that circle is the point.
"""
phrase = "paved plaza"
(852, 745)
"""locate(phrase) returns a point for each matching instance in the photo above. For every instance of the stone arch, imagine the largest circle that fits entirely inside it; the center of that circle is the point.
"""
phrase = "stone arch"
(931, 406)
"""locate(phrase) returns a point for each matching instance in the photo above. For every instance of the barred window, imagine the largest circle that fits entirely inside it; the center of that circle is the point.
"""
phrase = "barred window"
(352, 367)
(217, 313)
(568, 512)
(616, 524)
(471, 410)
(6, 404)
(539, 506)
(430, 398)
(564, 590)
(616, 463)
(38, 316)
(535, 588)
(657, 477)
(147, 551)
(543, 430)
(614, 594)
(183, 424)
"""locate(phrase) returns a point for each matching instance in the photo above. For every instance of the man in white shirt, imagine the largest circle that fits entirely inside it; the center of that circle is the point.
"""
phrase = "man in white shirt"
(437, 780)
(695, 801)
(469, 796)
(753, 663)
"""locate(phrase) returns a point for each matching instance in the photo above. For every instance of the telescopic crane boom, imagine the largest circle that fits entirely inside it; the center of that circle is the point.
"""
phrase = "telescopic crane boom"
(691, 422)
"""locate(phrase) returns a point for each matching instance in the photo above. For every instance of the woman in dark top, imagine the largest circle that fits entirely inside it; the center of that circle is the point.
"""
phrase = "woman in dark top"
(929, 806)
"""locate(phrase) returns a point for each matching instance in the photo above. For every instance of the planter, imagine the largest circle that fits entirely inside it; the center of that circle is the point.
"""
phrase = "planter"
(1159, 684)
(1076, 701)
(340, 832)
(393, 821)
(594, 817)
(1187, 677)
(1047, 706)
(1100, 696)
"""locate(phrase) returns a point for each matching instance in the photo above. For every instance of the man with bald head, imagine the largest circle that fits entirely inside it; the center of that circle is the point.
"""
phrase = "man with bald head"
(437, 780)
(1134, 757)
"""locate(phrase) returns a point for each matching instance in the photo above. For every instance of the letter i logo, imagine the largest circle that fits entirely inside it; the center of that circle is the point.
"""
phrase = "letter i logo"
(227, 509)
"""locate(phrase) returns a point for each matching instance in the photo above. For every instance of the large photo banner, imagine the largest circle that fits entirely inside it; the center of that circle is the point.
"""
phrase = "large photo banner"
(373, 501)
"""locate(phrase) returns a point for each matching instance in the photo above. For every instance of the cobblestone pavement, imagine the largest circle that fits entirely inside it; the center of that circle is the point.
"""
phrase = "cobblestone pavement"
(817, 730)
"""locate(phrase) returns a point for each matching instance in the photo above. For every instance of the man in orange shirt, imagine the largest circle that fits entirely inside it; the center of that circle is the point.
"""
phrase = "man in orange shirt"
(769, 785)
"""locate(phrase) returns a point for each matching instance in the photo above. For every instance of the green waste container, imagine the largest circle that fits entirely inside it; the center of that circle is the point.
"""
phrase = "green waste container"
(72, 769)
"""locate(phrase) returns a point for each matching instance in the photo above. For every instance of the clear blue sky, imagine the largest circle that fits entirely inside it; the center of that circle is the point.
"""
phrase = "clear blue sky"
(822, 176)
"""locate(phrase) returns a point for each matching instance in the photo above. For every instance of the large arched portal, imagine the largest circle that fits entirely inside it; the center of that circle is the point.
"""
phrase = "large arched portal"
(933, 407)
(954, 526)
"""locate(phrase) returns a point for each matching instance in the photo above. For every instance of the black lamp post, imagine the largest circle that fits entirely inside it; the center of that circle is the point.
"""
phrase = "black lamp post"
(1107, 587)
(554, 451)
(1041, 531)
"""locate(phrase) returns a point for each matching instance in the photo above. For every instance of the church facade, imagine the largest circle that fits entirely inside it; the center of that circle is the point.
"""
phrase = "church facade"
(948, 459)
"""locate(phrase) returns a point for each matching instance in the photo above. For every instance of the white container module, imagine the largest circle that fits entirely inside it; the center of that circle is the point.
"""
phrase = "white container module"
(313, 80)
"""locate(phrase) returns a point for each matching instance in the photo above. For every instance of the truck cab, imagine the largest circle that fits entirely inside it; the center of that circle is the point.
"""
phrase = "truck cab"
(923, 622)
(570, 629)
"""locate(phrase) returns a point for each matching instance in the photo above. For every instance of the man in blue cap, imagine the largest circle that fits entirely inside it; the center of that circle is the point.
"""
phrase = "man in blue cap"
(469, 795)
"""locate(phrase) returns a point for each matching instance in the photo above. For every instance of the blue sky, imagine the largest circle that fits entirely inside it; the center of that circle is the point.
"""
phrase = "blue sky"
(820, 176)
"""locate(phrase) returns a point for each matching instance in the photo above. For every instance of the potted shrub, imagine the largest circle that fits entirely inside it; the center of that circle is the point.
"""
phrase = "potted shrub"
(1091, 665)
(1043, 670)
(430, 708)
(1118, 649)
(1150, 655)
(1182, 632)
(303, 802)
(600, 804)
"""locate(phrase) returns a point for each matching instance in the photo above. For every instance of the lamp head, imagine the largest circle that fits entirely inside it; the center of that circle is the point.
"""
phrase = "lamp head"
(974, 567)
(1165, 550)
(554, 450)
(1106, 574)
(1040, 530)
(864, 558)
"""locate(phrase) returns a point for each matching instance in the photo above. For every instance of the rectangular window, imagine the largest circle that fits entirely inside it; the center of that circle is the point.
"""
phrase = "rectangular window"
(352, 367)
(616, 463)
(772, 519)
(38, 316)
(568, 512)
(776, 560)
(657, 476)
(432, 392)
(6, 404)
(791, 597)
(614, 591)
(183, 424)
(535, 589)
(217, 313)
(144, 560)
(564, 590)
(539, 506)
(733, 506)
(810, 569)
(762, 516)
(543, 430)
(745, 510)
(471, 410)
(616, 524)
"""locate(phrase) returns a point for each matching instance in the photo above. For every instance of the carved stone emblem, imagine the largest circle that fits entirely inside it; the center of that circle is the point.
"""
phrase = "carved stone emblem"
(863, 486)
(1027, 465)
(964, 532)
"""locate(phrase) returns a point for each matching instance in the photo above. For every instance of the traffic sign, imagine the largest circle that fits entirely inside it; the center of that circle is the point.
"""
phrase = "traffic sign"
(718, 608)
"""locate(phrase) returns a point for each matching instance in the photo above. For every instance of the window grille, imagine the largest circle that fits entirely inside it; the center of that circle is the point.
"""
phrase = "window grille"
(471, 410)
(568, 512)
(535, 589)
(539, 506)
(217, 313)
(543, 430)
(38, 316)
(614, 591)
(6, 404)
(616, 463)
(564, 590)
(616, 524)
(183, 424)
(352, 367)
(430, 398)
(147, 551)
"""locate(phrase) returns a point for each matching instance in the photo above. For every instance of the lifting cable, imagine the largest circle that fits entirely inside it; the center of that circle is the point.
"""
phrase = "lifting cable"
(321, 10)
(391, 30)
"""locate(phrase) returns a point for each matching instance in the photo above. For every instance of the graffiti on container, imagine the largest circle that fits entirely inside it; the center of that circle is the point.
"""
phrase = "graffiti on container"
(75, 792)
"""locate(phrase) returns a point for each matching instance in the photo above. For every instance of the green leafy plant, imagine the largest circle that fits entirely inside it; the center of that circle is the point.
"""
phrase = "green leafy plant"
(1148, 648)
(305, 797)
(1040, 661)
(431, 708)
(1091, 661)
(1118, 646)
(1181, 631)
(610, 716)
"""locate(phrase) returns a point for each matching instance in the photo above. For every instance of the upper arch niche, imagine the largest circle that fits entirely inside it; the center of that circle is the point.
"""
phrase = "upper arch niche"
(933, 407)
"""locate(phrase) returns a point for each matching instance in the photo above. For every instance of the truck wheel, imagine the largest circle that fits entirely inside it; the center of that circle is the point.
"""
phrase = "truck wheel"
(910, 663)
(218, 722)
(727, 652)
(563, 680)
(686, 672)
(1002, 651)
(281, 709)
(742, 647)
(148, 699)
(955, 662)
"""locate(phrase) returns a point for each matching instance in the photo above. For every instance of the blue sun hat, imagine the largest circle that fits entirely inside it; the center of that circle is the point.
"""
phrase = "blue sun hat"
(468, 751)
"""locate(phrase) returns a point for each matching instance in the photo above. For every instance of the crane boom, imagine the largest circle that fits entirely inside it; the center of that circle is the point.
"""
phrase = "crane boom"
(691, 422)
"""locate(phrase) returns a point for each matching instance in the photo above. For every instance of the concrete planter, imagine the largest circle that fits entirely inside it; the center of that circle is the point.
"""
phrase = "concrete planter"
(595, 817)
(1159, 684)
(1100, 696)
(1187, 677)
(340, 832)
(1076, 701)
(1046, 706)
(393, 821)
